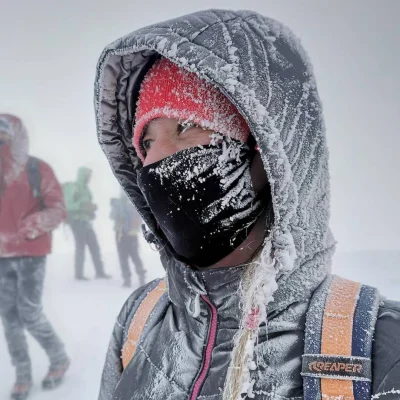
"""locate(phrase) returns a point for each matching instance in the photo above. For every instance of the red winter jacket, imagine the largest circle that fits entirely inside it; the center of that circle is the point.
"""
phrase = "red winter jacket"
(25, 229)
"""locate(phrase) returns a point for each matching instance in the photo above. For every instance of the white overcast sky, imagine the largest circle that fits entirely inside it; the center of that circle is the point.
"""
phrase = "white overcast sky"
(49, 51)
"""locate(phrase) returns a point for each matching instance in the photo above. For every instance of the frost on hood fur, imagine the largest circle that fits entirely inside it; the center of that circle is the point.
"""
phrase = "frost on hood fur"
(262, 68)
(19, 146)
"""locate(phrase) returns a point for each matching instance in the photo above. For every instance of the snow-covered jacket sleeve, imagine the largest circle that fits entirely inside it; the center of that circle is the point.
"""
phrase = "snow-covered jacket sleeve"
(112, 370)
(386, 354)
(54, 211)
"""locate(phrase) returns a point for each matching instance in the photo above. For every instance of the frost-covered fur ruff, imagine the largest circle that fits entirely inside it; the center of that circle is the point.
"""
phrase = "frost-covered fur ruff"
(261, 67)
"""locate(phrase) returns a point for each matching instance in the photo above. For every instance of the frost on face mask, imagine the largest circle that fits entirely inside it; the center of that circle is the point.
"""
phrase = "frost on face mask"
(203, 199)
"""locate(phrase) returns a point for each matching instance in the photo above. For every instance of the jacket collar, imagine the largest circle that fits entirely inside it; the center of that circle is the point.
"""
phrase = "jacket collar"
(222, 286)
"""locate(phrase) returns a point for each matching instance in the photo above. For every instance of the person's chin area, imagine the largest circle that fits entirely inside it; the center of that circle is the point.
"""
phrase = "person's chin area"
(246, 250)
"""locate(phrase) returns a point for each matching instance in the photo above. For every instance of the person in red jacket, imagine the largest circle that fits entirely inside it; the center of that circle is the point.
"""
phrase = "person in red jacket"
(28, 214)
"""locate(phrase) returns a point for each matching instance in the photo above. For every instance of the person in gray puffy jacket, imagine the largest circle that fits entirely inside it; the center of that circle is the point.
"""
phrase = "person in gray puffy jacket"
(127, 224)
(213, 125)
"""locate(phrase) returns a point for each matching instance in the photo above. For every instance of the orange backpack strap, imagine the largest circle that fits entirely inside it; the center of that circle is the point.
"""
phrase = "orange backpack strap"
(139, 320)
(338, 343)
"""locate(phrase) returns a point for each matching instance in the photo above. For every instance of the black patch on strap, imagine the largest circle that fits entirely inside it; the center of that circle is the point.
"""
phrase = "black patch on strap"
(336, 367)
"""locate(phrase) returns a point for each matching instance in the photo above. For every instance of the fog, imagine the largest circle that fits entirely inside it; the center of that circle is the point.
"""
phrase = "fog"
(47, 67)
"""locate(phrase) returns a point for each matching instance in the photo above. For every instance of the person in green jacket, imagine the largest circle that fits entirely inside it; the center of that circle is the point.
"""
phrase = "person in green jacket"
(81, 213)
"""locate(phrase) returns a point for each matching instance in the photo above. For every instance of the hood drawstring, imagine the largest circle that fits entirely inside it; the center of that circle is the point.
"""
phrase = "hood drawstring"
(151, 239)
(197, 289)
(195, 312)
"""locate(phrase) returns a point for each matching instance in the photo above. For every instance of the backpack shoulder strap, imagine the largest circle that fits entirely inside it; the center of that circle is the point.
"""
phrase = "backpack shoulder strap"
(35, 179)
(338, 341)
(139, 320)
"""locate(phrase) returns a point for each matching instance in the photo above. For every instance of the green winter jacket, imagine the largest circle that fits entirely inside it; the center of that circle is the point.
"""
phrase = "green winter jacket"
(78, 197)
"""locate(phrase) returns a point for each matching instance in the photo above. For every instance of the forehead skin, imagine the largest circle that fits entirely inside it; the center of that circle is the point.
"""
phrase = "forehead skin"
(173, 127)
(164, 137)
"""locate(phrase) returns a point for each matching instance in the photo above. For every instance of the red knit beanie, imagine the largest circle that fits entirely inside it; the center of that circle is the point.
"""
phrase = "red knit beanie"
(168, 91)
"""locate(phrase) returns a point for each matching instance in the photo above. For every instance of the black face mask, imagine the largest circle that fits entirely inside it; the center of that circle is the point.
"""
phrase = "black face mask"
(203, 200)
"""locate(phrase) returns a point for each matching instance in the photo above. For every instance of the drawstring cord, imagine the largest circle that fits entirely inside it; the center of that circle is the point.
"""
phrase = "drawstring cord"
(195, 312)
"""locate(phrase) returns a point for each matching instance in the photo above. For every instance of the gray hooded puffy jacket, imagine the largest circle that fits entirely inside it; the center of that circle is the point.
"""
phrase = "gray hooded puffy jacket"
(262, 68)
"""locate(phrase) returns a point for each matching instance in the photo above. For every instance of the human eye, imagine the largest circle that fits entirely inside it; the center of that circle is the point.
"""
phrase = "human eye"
(147, 143)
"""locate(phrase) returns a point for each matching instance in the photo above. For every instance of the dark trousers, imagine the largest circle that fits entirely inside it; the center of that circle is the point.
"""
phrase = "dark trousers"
(128, 247)
(84, 235)
(21, 289)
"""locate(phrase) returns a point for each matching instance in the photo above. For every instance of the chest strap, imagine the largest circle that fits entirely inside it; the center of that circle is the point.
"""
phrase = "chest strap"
(139, 320)
(338, 341)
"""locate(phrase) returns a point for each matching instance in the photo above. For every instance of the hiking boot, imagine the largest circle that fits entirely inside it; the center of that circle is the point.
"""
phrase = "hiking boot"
(82, 278)
(55, 375)
(103, 276)
(20, 391)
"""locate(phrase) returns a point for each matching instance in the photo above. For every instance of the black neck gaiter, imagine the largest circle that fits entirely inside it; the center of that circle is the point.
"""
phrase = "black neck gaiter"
(203, 200)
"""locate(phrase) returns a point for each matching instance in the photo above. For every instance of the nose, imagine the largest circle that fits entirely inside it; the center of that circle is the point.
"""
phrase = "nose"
(160, 149)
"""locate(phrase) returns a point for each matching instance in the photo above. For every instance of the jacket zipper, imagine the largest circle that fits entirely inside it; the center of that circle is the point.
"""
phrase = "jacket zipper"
(209, 348)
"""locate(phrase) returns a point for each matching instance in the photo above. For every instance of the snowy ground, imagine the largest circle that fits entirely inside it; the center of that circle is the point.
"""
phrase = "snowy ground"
(83, 313)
